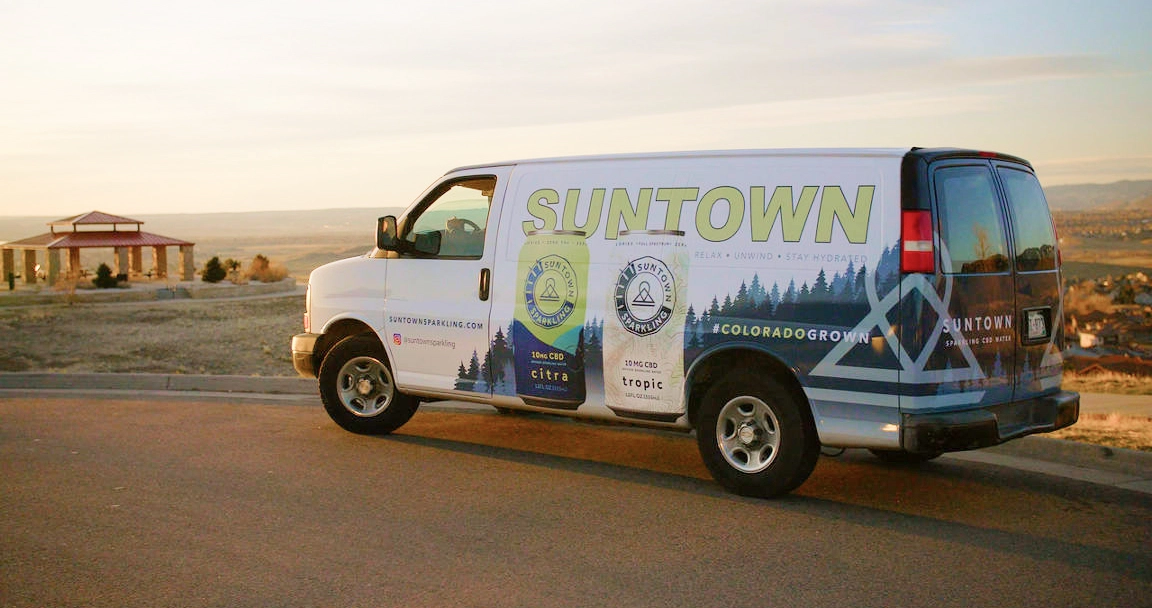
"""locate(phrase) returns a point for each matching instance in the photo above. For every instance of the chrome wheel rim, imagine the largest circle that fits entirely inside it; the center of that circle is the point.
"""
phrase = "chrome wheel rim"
(748, 434)
(365, 386)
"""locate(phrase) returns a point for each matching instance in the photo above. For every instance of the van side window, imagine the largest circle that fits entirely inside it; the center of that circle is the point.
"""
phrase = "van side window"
(1034, 236)
(971, 228)
(453, 225)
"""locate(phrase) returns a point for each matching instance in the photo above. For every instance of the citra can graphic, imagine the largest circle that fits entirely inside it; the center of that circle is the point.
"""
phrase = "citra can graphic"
(548, 323)
(644, 341)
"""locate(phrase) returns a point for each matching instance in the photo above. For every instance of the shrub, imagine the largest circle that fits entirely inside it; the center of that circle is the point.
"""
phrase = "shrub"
(213, 271)
(233, 266)
(263, 270)
(104, 278)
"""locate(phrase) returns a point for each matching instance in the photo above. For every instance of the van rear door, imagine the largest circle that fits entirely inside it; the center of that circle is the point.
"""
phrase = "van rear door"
(974, 356)
(1039, 310)
(991, 333)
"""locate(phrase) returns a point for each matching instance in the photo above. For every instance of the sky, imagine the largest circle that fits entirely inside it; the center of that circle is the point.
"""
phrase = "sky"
(252, 105)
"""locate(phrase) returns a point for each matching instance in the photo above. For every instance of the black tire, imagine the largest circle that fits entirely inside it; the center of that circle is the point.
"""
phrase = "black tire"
(902, 457)
(358, 391)
(755, 437)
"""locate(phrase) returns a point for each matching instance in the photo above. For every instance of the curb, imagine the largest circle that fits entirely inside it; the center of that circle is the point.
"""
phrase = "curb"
(1117, 467)
(1119, 460)
(159, 382)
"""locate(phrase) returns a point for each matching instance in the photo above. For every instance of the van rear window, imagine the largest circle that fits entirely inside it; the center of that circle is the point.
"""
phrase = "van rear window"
(971, 229)
(1035, 239)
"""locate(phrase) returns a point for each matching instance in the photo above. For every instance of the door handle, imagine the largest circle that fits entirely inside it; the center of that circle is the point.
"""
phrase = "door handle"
(485, 283)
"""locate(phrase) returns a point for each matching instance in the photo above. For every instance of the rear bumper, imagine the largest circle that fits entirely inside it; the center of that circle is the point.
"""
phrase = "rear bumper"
(979, 428)
(303, 345)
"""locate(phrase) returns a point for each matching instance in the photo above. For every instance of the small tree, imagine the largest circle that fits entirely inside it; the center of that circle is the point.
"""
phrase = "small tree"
(233, 266)
(213, 271)
(104, 278)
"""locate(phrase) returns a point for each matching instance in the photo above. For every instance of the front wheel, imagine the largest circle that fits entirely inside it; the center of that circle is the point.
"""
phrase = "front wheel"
(358, 391)
(754, 437)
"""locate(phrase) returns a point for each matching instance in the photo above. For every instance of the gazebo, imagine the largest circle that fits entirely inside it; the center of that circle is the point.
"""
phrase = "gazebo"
(102, 230)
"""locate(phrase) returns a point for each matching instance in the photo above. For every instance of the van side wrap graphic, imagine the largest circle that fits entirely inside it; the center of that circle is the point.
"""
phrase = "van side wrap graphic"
(910, 371)
(801, 319)
(718, 216)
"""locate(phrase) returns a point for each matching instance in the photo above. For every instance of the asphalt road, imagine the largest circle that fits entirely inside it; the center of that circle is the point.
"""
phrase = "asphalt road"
(108, 502)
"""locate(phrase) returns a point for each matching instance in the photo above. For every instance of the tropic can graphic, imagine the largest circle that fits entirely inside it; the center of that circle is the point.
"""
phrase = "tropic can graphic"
(644, 339)
(548, 322)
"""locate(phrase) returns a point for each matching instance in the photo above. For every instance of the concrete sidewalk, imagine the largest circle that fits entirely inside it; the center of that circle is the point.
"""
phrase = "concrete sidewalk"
(1127, 469)
(160, 382)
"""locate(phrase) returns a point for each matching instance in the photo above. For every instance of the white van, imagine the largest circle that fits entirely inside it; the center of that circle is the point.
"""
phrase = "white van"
(907, 301)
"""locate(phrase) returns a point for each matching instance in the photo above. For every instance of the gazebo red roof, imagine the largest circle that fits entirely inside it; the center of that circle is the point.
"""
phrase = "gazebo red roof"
(94, 217)
(102, 238)
(82, 239)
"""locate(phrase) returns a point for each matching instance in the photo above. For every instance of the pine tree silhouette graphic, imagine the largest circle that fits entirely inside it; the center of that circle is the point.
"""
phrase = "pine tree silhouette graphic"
(911, 370)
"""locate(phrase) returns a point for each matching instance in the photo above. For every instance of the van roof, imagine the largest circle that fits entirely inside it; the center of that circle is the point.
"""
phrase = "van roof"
(928, 154)
(881, 152)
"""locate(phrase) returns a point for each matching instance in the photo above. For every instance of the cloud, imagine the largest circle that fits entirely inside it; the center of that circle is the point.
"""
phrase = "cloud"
(98, 91)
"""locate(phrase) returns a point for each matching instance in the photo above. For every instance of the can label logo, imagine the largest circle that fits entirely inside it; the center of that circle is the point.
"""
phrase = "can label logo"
(548, 322)
(551, 291)
(644, 296)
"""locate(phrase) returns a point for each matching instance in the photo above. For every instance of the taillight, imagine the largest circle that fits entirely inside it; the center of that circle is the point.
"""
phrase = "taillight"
(1059, 253)
(916, 251)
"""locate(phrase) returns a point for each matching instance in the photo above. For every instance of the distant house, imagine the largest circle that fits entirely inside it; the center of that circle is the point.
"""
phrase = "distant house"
(1102, 337)
(1089, 340)
(96, 229)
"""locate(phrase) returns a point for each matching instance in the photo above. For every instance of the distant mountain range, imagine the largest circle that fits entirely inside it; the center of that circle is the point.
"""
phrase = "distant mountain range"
(193, 226)
(1123, 195)
(1117, 195)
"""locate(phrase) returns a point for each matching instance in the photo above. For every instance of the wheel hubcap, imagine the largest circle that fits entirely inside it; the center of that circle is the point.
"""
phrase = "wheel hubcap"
(365, 386)
(747, 433)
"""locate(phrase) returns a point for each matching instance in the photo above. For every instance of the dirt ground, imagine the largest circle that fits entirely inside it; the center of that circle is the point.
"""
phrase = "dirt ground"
(1112, 430)
(241, 337)
(250, 337)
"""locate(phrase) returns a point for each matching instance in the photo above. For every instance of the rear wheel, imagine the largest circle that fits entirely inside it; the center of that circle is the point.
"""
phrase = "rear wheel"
(755, 437)
(358, 390)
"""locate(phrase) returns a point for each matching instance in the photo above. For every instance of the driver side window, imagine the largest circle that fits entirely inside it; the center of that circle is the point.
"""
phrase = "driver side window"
(453, 225)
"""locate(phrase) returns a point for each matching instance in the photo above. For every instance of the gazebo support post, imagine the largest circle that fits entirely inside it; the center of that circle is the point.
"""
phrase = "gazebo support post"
(136, 261)
(187, 265)
(9, 264)
(121, 260)
(74, 262)
(160, 262)
(53, 266)
(30, 266)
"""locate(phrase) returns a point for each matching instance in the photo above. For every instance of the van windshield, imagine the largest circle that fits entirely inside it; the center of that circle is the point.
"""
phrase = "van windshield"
(1035, 238)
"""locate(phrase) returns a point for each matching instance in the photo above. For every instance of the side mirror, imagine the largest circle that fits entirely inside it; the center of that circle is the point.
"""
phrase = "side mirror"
(386, 233)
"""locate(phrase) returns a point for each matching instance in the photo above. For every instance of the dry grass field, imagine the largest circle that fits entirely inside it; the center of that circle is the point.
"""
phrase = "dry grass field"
(1108, 382)
(241, 337)
(251, 336)
(1112, 430)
